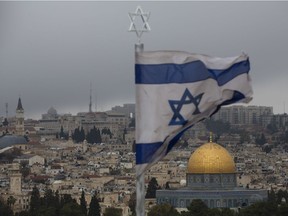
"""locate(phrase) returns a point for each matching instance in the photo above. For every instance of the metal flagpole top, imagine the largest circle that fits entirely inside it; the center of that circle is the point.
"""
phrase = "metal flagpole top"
(141, 26)
(143, 23)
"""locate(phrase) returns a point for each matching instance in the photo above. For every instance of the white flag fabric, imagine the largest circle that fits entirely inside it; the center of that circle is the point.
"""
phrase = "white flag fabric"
(175, 90)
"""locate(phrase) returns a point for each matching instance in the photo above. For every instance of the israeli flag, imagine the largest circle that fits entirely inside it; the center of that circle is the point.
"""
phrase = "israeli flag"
(175, 90)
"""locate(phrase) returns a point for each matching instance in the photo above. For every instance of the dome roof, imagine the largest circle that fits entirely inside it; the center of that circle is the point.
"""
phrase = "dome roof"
(10, 140)
(52, 111)
(211, 158)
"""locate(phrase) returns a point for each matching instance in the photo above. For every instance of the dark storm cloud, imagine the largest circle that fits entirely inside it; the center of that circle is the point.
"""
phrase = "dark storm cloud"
(50, 51)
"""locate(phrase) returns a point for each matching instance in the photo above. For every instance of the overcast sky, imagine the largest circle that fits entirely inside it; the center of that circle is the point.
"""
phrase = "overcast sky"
(51, 51)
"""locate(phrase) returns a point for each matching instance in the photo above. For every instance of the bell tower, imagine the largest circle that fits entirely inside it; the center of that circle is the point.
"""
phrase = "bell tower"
(19, 118)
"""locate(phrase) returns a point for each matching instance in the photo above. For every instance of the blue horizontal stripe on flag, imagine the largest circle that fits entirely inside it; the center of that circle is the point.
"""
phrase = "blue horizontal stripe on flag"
(145, 151)
(186, 73)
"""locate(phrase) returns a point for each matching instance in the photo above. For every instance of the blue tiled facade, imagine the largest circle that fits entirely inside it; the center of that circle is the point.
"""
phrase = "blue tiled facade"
(234, 198)
(216, 190)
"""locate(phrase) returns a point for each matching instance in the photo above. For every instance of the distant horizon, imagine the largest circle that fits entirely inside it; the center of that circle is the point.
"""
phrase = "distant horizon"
(78, 109)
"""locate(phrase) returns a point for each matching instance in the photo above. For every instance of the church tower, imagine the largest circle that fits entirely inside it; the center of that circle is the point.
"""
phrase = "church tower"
(19, 119)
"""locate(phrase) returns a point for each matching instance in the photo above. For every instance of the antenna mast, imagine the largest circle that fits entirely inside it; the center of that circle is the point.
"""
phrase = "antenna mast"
(90, 103)
(6, 106)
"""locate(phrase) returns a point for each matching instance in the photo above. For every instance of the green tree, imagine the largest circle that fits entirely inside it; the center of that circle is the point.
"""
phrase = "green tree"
(23, 213)
(197, 208)
(271, 196)
(221, 212)
(132, 203)
(163, 210)
(24, 168)
(11, 201)
(94, 136)
(218, 127)
(71, 209)
(152, 187)
(111, 211)
(283, 210)
(282, 194)
(34, 201)
(272, 127)
(75, 135)
(65, 198)
(94, 207)
(244, 137)
(83, 203)
(62, 134)
(167, 186)
(260, 208)
(261, 140)
(52, 201)
(5, 209)
(82, 135)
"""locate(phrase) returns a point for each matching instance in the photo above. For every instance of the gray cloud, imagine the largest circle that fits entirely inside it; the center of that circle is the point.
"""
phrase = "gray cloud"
(50, 51)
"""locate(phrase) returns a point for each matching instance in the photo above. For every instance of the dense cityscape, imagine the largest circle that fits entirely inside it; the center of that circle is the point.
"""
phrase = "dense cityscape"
(186, 113)
(84, 164)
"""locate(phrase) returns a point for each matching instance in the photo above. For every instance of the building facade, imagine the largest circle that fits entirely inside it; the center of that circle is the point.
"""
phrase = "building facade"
(211, 177)
(249, 115)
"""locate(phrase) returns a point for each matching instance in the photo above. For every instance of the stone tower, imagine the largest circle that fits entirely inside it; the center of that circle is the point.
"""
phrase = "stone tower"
(19, 119)
(15, 179)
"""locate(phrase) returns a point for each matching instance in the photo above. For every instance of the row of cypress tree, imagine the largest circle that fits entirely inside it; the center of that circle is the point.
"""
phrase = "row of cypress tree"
(53, 204)
(78, 135)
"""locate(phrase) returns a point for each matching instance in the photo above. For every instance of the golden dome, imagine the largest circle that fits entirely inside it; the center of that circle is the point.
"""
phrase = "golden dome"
(211, 158)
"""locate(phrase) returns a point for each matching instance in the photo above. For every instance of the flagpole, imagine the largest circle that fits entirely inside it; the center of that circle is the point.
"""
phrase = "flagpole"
(140, 179)
(139, 47)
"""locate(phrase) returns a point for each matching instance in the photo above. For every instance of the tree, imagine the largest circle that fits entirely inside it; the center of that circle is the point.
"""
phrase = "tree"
(83, 203)
(271, 196)
(221, 212)
(75, 135)
(272, 127)
(218, 127)
(78, 135)
(244, 137)
(94, 207)
(167, 186)
(25, 170)
(261, 140)
(5, 209)
(23, 213)
(280, 195)
(71, 209)
(62, 134)
(65, 198)
(5, 122)
(49, 199)
(94, 136)
(11, 201)
(111, 211)
(197, 208)
(34, 201)
(283, 210)
(260, 208)
(163, 210)
(132, 203)
(152, 187)
(82, 135)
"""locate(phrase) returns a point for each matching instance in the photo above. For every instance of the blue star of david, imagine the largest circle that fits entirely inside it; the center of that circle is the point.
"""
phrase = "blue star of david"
(176, 106)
